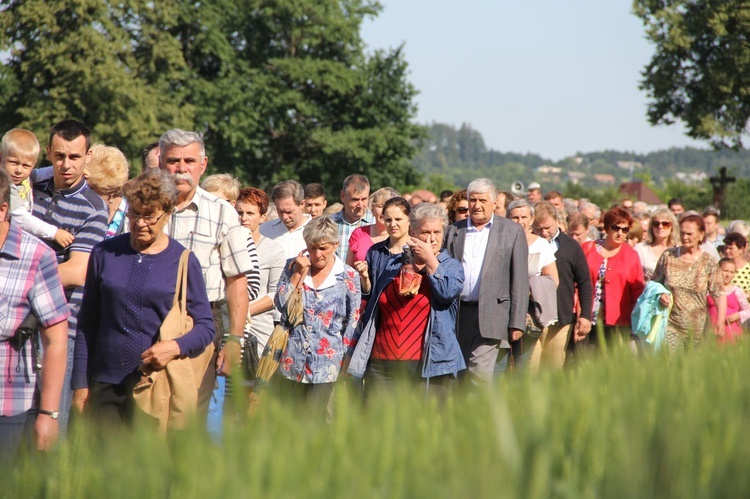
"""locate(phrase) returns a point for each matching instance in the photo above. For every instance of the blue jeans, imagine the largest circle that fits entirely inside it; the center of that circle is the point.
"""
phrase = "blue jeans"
(66, 398)
(14, 430)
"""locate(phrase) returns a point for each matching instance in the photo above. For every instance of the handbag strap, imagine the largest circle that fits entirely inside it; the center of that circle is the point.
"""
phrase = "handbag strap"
(180, 291)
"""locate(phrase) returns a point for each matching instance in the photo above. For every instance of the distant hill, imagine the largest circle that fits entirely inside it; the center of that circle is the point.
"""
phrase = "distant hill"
(458, 155)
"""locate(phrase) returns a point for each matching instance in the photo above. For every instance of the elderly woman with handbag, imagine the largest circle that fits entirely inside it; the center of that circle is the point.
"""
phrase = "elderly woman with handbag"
(330, 296)
(130, 290)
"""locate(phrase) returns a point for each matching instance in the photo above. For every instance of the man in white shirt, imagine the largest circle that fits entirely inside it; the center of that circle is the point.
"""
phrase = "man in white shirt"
(288, 197)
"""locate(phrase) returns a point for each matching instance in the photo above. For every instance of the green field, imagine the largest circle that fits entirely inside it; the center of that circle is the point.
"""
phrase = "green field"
(614, 426)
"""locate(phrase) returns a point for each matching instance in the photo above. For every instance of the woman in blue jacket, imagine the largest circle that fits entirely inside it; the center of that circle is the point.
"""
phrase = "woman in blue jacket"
(410, 330)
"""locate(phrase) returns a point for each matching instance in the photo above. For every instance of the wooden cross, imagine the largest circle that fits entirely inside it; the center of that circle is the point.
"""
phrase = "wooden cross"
(719, 184)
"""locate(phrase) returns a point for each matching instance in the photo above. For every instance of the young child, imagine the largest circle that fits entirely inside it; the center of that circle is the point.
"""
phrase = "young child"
(738, 309)
(19, 151)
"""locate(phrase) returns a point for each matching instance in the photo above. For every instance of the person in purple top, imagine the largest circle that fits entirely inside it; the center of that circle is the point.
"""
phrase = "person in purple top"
(129, 289)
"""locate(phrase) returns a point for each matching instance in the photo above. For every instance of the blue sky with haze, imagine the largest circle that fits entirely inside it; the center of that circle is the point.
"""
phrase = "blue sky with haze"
(545, 76)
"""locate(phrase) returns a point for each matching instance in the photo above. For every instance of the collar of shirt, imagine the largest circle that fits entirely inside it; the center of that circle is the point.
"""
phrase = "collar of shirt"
(330, 280)
(12, 245)
(365, 220)
(48, 185)
(470, 227)
(555, 241)
(277, 222)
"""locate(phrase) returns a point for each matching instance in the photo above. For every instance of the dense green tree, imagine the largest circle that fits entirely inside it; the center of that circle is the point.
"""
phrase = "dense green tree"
(281, 89)
(700, 72)
(93, 61)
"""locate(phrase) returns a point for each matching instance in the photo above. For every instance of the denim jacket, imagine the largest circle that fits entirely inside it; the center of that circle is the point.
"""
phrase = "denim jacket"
(442, 354)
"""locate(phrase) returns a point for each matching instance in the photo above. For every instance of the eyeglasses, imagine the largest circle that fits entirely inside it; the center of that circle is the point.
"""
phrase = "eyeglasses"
(661, 223)
(147, 219)
(618, 228)
(462, 210)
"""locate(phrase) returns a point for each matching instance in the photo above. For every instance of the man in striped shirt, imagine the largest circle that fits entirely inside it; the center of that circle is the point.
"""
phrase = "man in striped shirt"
(67, 202)
(210, 228)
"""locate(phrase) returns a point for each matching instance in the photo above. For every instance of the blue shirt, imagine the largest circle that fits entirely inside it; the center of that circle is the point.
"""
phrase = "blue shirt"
(80, 211)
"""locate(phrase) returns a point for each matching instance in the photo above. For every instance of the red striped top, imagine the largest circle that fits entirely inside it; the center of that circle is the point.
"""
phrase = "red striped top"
(403, 322)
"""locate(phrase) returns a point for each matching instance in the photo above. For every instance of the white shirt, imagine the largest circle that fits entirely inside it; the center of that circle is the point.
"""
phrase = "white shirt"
(292, 241)
(475, 246)
(330, 280)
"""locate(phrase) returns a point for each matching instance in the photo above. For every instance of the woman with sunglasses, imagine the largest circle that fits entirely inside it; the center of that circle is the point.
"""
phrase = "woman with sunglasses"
(458, 207)
(662, 234)
(617, 276)
(690, 274)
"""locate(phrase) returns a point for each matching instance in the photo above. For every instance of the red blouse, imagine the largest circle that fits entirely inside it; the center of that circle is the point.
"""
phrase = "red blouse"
(402, 324)
(623, 282)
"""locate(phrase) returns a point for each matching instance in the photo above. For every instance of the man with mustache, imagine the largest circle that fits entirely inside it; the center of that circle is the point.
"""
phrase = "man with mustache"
(209, 227)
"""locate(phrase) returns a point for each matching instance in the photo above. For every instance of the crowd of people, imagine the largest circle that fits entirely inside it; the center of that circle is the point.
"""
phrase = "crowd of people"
(109, 285)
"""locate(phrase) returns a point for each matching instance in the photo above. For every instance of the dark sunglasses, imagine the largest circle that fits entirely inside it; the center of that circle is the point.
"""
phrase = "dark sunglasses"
(660, 223)
(616, 228)
(462, 210)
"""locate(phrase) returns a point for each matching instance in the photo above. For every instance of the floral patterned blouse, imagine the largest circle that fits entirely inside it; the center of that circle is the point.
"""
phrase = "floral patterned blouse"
(317, 346)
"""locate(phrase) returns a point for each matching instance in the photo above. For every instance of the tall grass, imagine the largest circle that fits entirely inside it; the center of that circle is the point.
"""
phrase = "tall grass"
(613, 426)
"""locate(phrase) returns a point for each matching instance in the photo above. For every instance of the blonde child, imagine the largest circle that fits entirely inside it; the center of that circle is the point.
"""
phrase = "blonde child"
(738, 309)
(19, 151)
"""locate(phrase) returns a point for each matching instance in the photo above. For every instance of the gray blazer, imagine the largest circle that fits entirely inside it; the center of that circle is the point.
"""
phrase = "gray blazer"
(504, 281)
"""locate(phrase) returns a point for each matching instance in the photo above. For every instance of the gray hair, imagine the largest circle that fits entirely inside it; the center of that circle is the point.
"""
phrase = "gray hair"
(482, 185)
(382, 195)
(288, 189)
(321, 230)
(520, 203)
(181, 138)
(357, 182)
(739, 226)
(597, 210)
(427, 211)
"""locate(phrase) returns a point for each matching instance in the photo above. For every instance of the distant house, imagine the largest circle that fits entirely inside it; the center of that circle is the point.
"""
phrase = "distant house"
(604, 178)
(576, 177)
(692, 177)
(638, 191)
(549, 170)
(627, 165)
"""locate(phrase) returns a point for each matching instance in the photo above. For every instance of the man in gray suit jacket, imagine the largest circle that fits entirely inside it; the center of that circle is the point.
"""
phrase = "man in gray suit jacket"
(495, 298)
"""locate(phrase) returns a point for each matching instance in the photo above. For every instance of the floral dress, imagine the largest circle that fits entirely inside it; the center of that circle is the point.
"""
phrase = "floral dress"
(316, 347)
(689, 283)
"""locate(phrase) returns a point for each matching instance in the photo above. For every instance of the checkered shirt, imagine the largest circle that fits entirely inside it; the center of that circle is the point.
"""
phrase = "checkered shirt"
(210, 228)
(29, 282)
(346, 228)
(80, 211)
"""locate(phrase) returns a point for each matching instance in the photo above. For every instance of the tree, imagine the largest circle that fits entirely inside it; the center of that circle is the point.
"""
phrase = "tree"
(700, 73)
(280, 89)
(86, 59)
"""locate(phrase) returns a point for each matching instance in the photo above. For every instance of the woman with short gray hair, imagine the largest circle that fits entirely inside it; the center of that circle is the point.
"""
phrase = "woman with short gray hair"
(331, 298)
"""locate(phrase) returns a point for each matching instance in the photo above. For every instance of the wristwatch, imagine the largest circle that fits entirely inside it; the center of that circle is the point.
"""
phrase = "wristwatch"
(52, 414)
(240, 340)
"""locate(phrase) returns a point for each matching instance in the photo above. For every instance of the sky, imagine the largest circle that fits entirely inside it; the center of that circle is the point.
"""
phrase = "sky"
(549, 77)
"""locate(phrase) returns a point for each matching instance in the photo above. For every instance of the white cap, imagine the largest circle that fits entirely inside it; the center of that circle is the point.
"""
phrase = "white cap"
(534, 185)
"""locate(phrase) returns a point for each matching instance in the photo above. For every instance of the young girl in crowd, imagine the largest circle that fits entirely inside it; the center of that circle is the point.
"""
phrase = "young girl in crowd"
(738, 309)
